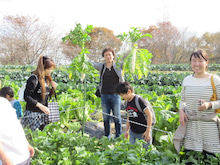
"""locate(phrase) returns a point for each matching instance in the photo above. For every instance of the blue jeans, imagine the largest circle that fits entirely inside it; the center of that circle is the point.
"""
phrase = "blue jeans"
(134, 136)
(111, 102)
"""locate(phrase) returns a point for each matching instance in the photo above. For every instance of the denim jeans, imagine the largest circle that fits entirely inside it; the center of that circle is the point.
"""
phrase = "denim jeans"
(134, 136)
(111, 102)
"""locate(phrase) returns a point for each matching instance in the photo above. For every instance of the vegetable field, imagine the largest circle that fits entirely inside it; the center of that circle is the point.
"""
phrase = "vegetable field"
(62, 143)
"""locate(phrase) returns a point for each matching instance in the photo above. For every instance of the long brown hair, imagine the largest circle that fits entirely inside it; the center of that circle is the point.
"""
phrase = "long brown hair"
(43, 64)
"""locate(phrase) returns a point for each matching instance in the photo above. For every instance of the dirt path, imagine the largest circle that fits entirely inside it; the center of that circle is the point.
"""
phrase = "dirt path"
(96, 128)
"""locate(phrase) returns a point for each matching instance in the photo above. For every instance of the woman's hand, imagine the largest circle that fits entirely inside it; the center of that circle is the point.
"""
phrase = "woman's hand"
(204, 105)
(53, 84)
(43, 108)
(183, 117)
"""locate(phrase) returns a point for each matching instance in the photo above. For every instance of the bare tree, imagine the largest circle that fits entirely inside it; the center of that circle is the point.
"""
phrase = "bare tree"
(24, 38)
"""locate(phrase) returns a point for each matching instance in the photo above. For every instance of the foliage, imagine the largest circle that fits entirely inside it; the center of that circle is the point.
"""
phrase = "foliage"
(79, 37)
(61, 143)
(133, 36)
(210, 42)
(73, 104)
(137, 60)
(53, 146)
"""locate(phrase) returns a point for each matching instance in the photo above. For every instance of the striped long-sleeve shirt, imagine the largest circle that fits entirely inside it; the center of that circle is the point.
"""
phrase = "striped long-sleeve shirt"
(193, 90)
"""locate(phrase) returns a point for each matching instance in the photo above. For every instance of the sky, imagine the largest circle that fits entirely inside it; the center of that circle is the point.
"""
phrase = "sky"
(198, 16)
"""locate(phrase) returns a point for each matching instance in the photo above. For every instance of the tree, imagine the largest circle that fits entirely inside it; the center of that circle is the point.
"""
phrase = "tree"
(24, 38)
(168, 44)
(165, 39)
(100, 38)
(211, 43)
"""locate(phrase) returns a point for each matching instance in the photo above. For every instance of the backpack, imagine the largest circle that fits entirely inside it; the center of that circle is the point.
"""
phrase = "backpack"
(22, 89)
(140, 110)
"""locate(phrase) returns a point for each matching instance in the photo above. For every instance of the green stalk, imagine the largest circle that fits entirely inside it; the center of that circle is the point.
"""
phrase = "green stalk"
(84, 109)
(134, 50)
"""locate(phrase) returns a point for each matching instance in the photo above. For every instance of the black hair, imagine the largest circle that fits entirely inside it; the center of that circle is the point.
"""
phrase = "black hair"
(201, 53)
(108, 49)
(123, 87)
(6, 91)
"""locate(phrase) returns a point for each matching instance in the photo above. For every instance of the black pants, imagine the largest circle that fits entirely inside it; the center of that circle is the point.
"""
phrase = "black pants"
(189, 153)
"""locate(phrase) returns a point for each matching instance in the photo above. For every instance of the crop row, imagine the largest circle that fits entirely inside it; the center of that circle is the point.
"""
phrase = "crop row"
(151, 67)
(153, 78)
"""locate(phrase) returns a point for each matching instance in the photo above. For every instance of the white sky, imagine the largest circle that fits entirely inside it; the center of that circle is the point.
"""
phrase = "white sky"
(199, 16)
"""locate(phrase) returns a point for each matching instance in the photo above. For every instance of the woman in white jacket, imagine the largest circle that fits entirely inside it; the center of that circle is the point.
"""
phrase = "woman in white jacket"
(196, 101)
(14, 147)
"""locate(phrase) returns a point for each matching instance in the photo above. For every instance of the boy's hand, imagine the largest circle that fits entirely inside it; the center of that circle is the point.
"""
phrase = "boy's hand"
(126, 134)
(146, 136)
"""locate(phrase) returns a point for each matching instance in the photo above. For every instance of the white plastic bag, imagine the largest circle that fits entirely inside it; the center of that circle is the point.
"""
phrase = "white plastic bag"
(21, 93)
(22, 89)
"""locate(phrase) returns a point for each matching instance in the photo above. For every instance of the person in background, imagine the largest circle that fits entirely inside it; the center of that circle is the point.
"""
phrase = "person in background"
(8, 93)
(14, 147)
(36, 94)
(143, 116)
(110, 76)
(195, 106)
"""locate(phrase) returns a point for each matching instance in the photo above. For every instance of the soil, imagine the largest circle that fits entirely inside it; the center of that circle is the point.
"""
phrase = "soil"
(96, 126)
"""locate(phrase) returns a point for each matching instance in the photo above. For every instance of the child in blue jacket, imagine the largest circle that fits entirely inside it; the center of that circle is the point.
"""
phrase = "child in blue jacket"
(8, 93)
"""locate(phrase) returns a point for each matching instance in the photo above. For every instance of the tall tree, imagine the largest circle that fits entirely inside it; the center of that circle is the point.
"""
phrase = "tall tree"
(211, 43)
(101, 38)
(168, 44)
(24, 38)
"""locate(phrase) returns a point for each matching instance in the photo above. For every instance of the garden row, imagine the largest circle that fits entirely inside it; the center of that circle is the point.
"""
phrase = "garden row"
(151, 67)
(62, 76)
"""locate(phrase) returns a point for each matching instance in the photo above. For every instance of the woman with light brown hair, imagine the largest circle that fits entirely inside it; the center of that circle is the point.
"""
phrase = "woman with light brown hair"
(36, 94)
